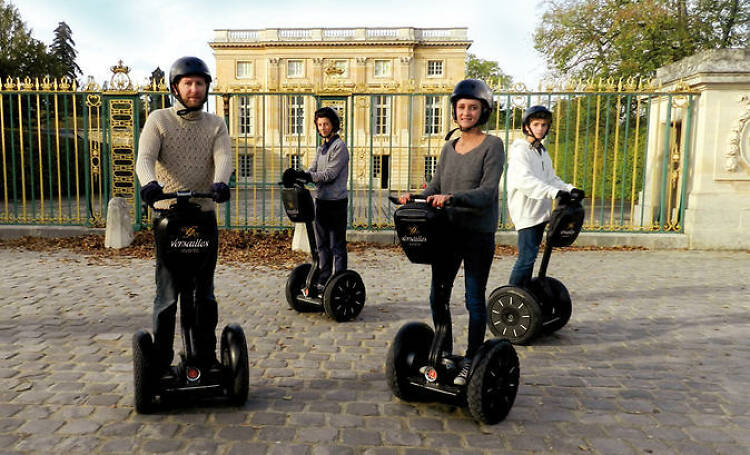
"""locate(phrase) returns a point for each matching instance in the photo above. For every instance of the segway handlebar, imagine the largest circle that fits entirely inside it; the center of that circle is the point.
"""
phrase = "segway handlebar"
(421, 198)
(573, 197)
(412, 198)
(183, 194)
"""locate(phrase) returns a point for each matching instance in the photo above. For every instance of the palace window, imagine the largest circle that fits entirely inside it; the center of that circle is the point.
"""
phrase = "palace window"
(295, 68)
(377, 166)
(245, 166)
(295, 118)
(382, 115)
(430, 166)
(432, 114)
(246, 115)
(382, 68)
(244, 70)
(434, 68)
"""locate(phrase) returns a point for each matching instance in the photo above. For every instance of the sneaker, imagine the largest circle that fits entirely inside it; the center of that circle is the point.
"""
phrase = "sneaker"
(463, 375)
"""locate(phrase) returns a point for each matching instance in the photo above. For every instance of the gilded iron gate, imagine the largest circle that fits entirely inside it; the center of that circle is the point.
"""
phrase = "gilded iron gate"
(66, 150)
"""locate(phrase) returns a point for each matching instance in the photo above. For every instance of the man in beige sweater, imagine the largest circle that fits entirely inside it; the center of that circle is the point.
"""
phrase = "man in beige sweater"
(184, 147)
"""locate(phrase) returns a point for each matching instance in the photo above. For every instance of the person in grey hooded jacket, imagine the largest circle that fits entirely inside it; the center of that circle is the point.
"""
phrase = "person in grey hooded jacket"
(330, 172)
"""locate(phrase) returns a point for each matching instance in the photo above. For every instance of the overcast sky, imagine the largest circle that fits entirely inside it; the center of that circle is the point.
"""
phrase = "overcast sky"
(148, 33)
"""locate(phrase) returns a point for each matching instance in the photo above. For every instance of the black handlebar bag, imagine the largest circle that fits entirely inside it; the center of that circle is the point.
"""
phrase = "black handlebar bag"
(298, 204)
(422, 231)
(565, 224)
(186, 238)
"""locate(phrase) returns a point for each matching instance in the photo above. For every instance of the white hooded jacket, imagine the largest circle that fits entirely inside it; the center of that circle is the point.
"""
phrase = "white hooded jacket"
(531, 184)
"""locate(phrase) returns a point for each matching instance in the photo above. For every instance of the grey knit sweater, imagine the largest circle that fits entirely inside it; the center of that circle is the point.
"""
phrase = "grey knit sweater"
(190, 152)
(472, 179)
(330, 170)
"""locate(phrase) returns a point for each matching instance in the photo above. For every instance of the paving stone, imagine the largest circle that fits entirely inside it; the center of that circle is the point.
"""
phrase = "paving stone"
(119, 445)
(237, 433)
(161, 446)
(360, 438)
(317, 435)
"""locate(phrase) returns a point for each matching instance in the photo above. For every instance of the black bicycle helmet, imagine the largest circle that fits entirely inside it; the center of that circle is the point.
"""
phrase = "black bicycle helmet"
(477, 90)
(188, 66)
(331, 115)
(535, 112)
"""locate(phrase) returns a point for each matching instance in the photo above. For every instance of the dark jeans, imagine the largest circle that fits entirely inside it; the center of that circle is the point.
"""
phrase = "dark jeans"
(330, 235)
(529, 240)
(476, 250)
(198, 310)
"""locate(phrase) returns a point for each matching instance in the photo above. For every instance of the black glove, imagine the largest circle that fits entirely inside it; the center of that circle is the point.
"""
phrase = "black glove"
(306, 176)
(563, 196)
(577, 194)
(220, 191)
(151, 192)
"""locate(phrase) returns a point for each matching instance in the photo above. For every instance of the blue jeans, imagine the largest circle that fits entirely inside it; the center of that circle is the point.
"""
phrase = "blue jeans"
(330, 235)
(198, 309)
(476, 250)
(529, 240)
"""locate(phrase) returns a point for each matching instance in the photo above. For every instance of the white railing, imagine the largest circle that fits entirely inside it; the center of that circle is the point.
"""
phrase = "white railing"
(243, 35)
(382, 33)
(342, 34)
(338, 33)
(294, 33)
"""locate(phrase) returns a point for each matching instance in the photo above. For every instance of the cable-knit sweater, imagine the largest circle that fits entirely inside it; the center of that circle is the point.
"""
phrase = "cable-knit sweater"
(190, 152)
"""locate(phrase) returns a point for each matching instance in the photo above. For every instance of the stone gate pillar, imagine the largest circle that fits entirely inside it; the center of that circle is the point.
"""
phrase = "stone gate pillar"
(717, 215)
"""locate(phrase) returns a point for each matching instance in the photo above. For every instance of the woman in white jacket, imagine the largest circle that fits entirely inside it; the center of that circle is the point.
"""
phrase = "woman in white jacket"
(532, 184)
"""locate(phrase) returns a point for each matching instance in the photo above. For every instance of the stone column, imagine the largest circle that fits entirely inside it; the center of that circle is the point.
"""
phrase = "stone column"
(317, 74)
(272, 74)
(717, 215)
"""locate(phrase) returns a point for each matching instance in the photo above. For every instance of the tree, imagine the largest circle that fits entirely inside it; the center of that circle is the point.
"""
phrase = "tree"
(20, 54)
(64, 53)
(633, 38)
(486, 70)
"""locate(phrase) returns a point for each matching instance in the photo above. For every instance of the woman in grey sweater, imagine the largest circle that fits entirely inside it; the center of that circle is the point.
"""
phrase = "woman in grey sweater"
(467, 175)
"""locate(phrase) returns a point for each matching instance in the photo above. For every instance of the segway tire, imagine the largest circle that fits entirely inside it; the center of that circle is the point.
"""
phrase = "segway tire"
(235, 362)
(513, 313)
(143, 353)
(560, 305)
(493, 384)
(294, 286)
(408, 352)
(344, 296)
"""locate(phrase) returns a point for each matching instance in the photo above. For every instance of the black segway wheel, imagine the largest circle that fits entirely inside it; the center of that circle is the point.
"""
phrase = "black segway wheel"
(143, 353)
(408, 352)
(344, 296)
(235, 362)
(557, 306)
(294, 286)
(513, 313)
(494, 383)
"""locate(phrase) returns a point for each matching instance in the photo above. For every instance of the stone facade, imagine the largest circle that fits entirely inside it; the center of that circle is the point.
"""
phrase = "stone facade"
(384, 82)
(717, 215)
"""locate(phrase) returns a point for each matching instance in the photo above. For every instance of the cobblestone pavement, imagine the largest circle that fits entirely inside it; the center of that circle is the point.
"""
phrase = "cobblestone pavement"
(656, 359)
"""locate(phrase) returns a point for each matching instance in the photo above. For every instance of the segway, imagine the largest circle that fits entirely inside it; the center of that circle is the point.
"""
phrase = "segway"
(544, 305)
(343, 295)
(420, 365)
(185, 239)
